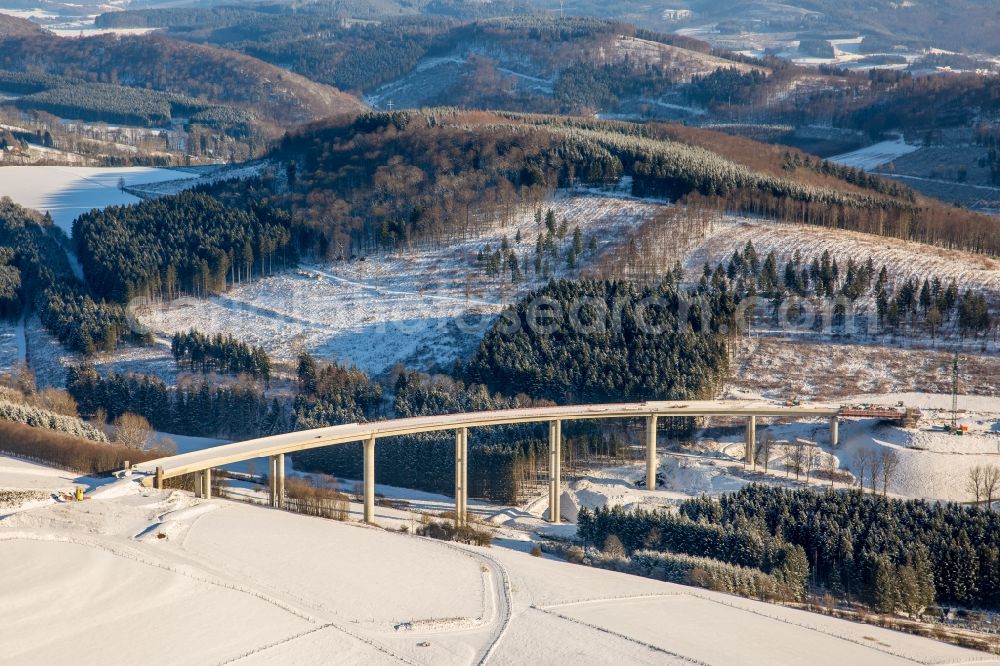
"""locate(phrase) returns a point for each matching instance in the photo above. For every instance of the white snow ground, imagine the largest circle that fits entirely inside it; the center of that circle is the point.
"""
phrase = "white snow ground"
(871, 157)
(68, 192)
(158, 576)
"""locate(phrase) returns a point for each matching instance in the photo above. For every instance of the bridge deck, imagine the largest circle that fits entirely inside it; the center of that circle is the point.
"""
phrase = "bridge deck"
(226, 454)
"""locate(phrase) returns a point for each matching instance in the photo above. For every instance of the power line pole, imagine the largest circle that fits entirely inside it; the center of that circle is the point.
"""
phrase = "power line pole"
(954, 392)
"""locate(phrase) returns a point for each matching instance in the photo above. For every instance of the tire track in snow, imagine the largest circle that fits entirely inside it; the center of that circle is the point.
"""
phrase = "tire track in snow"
(630, 639)
(402, 292)
(499, 613)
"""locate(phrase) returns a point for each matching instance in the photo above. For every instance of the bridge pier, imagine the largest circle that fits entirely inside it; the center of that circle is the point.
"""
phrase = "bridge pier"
(276, 480)
(555, 470)
(206, 483)
(461, 476)
(369, 481)
(751, 439)
(834, 431)
(651, 452)
(158, 479)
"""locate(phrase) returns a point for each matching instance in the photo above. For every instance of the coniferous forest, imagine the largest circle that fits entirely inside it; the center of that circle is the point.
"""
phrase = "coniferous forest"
(893, 554)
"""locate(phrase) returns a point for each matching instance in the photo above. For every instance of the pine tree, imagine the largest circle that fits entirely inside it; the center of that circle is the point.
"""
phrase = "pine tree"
(885, 594)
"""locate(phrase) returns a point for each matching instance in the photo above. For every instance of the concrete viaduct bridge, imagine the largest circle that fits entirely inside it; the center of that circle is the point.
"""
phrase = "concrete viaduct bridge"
(200, 463)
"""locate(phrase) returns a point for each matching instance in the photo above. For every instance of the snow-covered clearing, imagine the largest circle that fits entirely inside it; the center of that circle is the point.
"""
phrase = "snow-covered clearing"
(787, 367)
(93, 31)
(923, 472)
(11, 344)
(691, 63)
(876, 155)
(421, 306)
(198, 581)
(903, 258)
(68, 192)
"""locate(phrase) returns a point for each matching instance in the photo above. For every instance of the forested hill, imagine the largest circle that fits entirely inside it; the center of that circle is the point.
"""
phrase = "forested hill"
(173, 66)
(11, 26)
(381, 179)
(516, 61)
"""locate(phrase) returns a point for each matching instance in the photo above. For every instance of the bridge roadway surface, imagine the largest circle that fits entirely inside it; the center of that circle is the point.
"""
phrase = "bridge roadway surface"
(196, 461)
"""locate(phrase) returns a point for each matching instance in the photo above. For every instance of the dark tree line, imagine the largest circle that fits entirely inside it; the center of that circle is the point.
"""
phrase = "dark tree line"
(121, 104)
(35, 275)
(604, 341)
(881, 550)
(726, 86)
(330, 394)
(222, 353)
(188, 242)
(194, 407)
(743, 544)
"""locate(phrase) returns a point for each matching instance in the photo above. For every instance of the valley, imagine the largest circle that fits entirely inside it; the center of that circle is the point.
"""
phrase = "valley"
(456, 332)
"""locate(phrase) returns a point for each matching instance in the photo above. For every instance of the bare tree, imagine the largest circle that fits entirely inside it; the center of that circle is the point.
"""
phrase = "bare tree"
(862, 461)
(889, 461)
(876, 472)
(809, 459)
(831, 467)
(164, 445)
(100, 420)
(58, 401)
(613, 546)
(132, 430)
(991, 480)
(974, 482)
(763, 452)
(798, 458)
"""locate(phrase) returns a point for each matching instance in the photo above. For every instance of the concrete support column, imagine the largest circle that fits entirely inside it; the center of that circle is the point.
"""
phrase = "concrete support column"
(199, 487)
(276, 480)
(834, 431)
(465, 475)
(281, 479)
(272, 481)
(555, 471)
(158, 479)
(461, 476)
(369, 481)
(651, 452)
(751, 439)
(206, 483)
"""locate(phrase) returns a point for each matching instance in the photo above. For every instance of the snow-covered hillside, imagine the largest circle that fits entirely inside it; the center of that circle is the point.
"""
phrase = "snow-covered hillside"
(422, 305)
(164, 578)
(903, 258)
(876, 155)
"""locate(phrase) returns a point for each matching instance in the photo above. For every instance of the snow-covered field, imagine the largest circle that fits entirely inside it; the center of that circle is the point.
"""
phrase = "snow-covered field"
(419, 306)
(876, 155)
(67, 192)
(133, 571)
